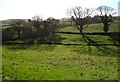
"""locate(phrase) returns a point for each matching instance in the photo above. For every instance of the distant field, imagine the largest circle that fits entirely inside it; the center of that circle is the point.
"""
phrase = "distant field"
(1, 26)
(92, 28)
(64, 62)
(3, 23)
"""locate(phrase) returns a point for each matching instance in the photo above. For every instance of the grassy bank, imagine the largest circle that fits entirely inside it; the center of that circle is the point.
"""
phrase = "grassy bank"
(60, 62)
(63, 62)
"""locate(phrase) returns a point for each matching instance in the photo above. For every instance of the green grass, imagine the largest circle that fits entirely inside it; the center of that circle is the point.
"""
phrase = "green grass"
(92, 28)
(50, 62)
(93, 39)
(63, 62)
(69, 29)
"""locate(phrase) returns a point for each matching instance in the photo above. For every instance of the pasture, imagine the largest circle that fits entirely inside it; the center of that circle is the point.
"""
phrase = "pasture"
(73, 59)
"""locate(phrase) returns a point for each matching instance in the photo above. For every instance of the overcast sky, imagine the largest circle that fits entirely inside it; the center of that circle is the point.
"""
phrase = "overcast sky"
(23, 9)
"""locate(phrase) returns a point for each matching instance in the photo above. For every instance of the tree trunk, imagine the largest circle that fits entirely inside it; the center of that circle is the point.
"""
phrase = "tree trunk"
(105, 28)
(81, 29)
(19, 34)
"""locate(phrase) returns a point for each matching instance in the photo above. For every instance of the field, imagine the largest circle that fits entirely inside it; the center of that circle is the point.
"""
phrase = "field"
(71, 60)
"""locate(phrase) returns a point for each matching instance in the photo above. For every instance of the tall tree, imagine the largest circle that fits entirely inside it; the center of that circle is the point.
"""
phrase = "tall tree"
(80, 16)
(106, 14)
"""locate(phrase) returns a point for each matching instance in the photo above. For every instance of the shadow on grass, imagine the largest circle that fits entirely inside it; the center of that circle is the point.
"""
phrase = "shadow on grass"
(34, 43)
(115, 37)
(103, 48)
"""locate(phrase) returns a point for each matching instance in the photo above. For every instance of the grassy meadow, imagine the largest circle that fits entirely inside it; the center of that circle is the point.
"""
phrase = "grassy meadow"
(92, 28)
(64, 62)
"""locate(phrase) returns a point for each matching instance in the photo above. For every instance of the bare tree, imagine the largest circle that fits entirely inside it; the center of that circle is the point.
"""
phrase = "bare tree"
(80, 16)
(106, 14)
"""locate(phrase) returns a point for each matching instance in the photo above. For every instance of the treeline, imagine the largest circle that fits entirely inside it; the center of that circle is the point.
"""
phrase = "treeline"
(43, 30)
(36, 27)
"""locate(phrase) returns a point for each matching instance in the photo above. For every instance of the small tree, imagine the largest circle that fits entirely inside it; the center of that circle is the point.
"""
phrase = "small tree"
(8, 34)
(106, 14)
(27, 31)
(36, 23)
(49, 27)
(18, 25)
(44, 29)
(80, 16)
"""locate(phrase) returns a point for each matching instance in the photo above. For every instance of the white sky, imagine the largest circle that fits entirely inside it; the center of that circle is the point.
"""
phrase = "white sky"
(17, 9)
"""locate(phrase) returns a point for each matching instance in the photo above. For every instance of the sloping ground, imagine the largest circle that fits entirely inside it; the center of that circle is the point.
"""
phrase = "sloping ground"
(63, 62)
(91, 28)
(60, 62)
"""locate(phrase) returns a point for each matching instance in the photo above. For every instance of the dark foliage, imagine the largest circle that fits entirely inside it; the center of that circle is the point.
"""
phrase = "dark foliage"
(44, 30)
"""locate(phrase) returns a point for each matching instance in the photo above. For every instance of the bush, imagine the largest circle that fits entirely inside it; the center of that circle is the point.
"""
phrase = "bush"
(31, 29)
(8, 34)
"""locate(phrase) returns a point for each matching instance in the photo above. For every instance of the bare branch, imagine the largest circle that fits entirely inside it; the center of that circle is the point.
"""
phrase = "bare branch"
(81, 16)
(105, 10)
